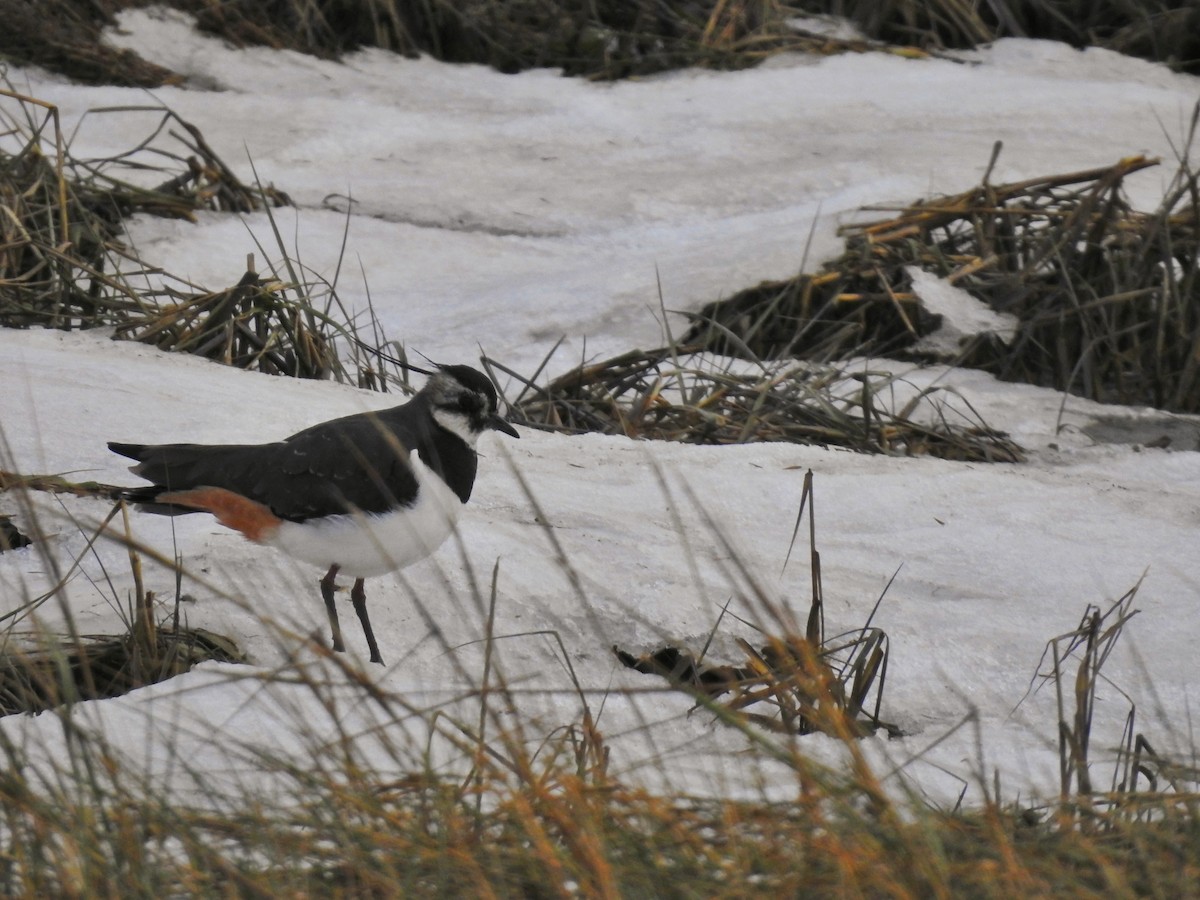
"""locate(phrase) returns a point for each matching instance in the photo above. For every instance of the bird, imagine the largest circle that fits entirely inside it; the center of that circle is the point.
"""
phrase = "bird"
(360, 495)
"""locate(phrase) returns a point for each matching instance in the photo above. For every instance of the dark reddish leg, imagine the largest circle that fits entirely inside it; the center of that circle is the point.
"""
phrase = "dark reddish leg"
(327, 585)
(358, 596)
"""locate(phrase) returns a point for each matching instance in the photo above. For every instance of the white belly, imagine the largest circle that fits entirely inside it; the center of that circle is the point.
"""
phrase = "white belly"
(363, 545)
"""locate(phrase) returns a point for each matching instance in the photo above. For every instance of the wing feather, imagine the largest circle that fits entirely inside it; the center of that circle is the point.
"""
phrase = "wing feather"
(354, 463)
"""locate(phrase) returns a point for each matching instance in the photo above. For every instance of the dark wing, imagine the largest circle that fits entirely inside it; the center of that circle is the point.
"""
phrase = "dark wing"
(359, 462)
(354, 463)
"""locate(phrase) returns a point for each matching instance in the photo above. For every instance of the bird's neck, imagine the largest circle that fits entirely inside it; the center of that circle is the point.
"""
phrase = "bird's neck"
(452, 456)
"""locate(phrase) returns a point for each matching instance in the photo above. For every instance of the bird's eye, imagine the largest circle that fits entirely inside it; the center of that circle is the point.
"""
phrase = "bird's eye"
(470, 403)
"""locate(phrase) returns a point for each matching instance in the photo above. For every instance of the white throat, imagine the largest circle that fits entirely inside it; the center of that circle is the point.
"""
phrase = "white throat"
(456, 423)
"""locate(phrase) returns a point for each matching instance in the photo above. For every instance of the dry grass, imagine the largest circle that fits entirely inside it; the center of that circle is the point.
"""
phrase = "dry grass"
(65, 36)
(602, 39)
(682, 394)
(44, 675)
(1164, 30)
(605, 39)
(1105, 295)
(564, 836)
(41, 671)
(597, 38)
(532, 814)
(63, 263)
(255, 325)
(796, 683)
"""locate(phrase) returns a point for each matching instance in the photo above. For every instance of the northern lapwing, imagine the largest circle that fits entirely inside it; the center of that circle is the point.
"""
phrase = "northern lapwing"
(361, 495)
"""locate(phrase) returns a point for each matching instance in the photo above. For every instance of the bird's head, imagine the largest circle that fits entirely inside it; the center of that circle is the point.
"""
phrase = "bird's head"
(464, 402)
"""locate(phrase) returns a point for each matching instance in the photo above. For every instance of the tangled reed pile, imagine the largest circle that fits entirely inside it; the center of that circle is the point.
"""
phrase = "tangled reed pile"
(1107, 298)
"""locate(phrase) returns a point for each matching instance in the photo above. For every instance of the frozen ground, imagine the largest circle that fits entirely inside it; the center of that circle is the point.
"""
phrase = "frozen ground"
(507, 211)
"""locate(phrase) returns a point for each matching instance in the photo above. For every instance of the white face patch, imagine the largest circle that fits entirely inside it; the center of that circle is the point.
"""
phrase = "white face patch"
(456, 423)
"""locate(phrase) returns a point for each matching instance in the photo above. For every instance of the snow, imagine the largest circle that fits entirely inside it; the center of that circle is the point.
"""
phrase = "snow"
(507, 211)
(963, 316)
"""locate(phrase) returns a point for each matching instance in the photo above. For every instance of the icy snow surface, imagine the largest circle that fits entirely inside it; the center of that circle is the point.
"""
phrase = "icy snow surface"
(508, 211)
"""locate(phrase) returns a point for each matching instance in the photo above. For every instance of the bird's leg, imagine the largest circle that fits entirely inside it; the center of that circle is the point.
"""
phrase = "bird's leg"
(327, 587)
(358, 595)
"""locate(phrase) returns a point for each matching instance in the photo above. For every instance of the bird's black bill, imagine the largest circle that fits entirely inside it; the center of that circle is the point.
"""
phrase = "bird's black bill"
(499, 424)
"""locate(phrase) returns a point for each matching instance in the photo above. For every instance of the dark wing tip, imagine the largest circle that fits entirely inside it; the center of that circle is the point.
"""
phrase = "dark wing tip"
(133, 451)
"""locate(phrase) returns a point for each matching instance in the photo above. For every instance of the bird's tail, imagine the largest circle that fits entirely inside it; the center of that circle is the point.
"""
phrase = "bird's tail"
(146, 496)
(147, 499)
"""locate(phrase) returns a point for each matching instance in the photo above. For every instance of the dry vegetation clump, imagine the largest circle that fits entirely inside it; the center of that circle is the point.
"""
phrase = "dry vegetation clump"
(45, 675)
(558, 835)
(1106, 297)
(40, 670)
(62, 264)
(1143, 782)
(793, 678)
(546, 832)
(254, 325)
(1167, 31)
(796, 683)
(65, 36)
(55, 235)
(679, 393)
(596, 38)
